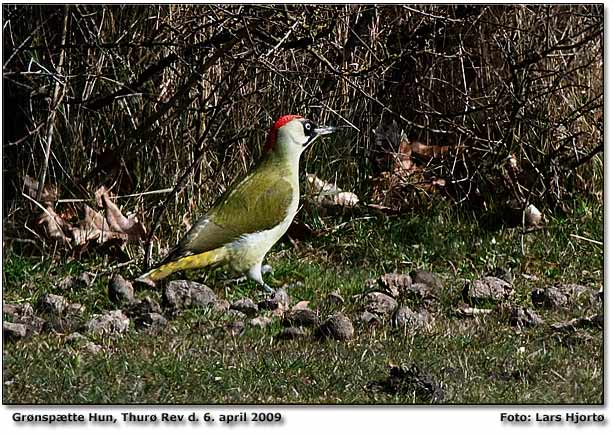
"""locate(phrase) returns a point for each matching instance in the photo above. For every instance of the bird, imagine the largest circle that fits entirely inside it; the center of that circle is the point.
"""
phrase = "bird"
(253, 214)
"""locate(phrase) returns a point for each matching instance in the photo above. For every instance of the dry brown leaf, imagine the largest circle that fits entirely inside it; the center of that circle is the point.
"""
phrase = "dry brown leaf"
(50, 192)
(54, 225)
(128, 227)
(326, 194)
(301, 305)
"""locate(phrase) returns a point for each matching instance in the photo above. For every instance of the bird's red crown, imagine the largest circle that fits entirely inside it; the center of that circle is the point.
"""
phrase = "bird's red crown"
(272, 133)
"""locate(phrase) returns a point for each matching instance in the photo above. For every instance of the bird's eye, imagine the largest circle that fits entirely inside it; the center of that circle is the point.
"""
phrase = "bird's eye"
(307, 126)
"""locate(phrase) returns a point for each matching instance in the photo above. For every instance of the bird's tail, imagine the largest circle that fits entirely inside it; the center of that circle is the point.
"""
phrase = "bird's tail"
(200, 260)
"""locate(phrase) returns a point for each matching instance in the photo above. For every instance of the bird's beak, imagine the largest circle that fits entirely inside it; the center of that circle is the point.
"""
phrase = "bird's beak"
(322, 131)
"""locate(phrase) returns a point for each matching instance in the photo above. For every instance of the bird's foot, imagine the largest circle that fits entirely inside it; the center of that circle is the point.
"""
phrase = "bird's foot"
(268, 289)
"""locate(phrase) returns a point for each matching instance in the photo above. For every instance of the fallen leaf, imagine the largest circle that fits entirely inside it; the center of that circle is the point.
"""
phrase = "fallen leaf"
(326, 194)
(50, 193)
(54, 225)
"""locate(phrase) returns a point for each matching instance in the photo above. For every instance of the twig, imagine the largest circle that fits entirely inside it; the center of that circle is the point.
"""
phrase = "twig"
(164, 190)
(289, 32)
(56, 101)
(589, 240)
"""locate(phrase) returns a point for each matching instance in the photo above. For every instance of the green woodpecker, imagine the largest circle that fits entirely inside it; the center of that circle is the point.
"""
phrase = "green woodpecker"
(253, 214)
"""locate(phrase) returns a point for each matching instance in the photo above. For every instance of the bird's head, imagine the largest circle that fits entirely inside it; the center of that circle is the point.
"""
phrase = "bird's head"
(293, 133)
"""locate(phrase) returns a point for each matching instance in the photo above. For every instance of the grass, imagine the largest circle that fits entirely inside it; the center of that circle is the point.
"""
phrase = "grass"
(482, 360)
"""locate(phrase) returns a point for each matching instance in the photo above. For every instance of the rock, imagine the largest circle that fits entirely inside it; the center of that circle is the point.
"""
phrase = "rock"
(505, 274)
(394, 284)
(13, 330)
(279, 300)
(236, 314)
(53, 304)
(304, 304)
(120, 290)
(261, 322)
(471, 312)
(142, 307)
(291, 333)
(532, 216)
(405, 318)
(337, 326)
(335, 299)
(70, 283)
(420, 291)
(235, 327)
(411, 381)
(179, 294)
(152, 321)
(63, 324)
(75, 337)
(246, 306)
(34, 324)
(75, 309)
(300, 317)
(17, 310)
(82, 342)
(428, 278)
(221, 305)
(556, 296)
(24, 314)
(524, 317)
(596, 321)
(368, 318)
(549, 298)
(110, 322)
(377, 302)
(415, 380)
(92, 348)
(487, 289)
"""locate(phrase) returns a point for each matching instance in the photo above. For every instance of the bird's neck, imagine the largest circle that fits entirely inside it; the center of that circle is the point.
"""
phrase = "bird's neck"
(287, 163)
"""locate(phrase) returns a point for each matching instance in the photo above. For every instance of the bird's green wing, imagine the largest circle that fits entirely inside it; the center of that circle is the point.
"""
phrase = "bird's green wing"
(257, 203)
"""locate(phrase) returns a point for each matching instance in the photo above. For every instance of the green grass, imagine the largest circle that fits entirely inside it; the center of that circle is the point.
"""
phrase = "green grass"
(193, 360)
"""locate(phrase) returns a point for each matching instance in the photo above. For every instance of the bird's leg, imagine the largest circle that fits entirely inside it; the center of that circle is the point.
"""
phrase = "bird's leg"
(263, 270)
(255, 273)
(267, 288)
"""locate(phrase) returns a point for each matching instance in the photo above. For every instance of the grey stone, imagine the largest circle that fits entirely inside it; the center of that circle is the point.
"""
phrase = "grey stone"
(53, 304)
(337, 326)
(24, 314)
(120, 290)
(335, 299)
(81, 342)
(557, 296)
(13, 330)
(17, 310)
(428, 278)
(221, 305)
(278, 300)
(141, 307)
(70, 283)
(369, 318)
(235, 327)
(524, 317)
(407, 319)
(152, 320)
(261, 321)
(179, 294)
(301, 317)
(488, 288)
(110, 322)
(245, 305)
(377, 302)
(395, 283)
(289, 333)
